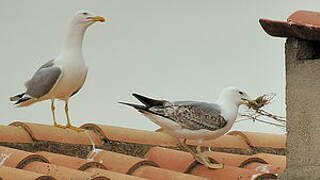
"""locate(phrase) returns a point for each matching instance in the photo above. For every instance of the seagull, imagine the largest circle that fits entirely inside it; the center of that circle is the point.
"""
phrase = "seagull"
(194, 120)
(63, 76)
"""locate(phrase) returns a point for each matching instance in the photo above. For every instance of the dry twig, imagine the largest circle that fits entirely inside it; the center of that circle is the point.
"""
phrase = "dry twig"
(257, 112)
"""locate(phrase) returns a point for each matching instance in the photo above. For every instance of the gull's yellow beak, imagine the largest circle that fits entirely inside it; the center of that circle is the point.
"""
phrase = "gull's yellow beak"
(245, 101)
(96, 18)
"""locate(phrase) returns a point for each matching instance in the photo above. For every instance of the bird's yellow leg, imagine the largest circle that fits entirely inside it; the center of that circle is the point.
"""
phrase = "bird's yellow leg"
(205, 160)
(69, 126)
(199, 156)
(53, 108)
(184, 146)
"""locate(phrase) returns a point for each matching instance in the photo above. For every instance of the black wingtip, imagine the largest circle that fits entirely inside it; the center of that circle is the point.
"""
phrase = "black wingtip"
(137, 95)
(120, 102)
(17, 97)
(148, 101)
(136, 106)
(22, 100)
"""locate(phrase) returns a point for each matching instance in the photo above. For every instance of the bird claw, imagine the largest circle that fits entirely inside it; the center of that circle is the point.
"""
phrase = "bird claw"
(69, 126)
(213, 166)
(205, 160)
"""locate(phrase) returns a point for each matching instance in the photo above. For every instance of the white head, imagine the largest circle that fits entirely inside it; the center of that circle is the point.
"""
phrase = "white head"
(84, 18)
(233, 95)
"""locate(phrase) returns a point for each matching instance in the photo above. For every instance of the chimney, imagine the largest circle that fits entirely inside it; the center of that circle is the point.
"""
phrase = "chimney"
(302, 50)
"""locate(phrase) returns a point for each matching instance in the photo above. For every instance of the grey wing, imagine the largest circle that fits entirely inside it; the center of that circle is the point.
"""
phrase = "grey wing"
(198, 115)
(43, 80)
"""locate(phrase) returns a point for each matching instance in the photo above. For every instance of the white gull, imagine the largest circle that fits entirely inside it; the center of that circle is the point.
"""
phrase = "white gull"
(193, 119)
(63, 76)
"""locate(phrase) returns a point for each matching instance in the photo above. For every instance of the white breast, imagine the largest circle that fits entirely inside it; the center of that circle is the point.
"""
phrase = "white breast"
(74, 74)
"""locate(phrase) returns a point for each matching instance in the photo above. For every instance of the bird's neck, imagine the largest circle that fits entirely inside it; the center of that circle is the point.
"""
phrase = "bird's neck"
(229, 109)
(73, 40)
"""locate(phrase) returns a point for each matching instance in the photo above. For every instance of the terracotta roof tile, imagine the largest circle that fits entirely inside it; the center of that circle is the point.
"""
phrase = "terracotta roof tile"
(301, 24)
(225, 141)
(7, 173)
(62, 173)
(69, 161)
(132, 135)
(115, 161)
(231, 173)
(170, 159)
(112, 175)
(137, 166)
(160, 163)
(44, 133)
(14, 135)
(184, 162)
(154, 173)
(233, 159)
(18, 158)
(276, 28)
(262, 139)
(265, 168)
(306, 18)
(276, 160)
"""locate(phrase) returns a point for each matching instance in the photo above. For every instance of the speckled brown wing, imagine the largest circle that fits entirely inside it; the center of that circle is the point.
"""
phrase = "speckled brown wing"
(192, 115)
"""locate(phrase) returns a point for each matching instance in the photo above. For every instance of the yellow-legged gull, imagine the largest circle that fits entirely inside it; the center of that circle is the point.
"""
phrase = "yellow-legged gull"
(63, 76)
(193, 119)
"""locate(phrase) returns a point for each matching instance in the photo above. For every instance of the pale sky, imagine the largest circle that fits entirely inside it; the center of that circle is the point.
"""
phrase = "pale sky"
(168, 49)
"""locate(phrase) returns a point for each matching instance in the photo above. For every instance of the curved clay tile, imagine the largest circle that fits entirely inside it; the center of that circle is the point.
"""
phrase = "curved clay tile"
(301, 24)
(265, 168)
(62, 173)
(7, 173)
(233, 159)
(231, 173)
(43, 132)
(276, 160)
(305, 18)
(120, 162)
(154, 173)
(256, 139)
(112, 175)
(18, 158)
(276, 28)
(69, 161)
(14, 135)
(132, 135)
(262, 176)
(170, 159)
(225, 141)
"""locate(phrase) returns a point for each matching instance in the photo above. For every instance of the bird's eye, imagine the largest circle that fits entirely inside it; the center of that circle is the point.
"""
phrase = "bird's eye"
(241, 93)
(85, 13)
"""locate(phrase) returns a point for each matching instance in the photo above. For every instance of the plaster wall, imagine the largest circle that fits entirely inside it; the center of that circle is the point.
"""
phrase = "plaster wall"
(303, 110)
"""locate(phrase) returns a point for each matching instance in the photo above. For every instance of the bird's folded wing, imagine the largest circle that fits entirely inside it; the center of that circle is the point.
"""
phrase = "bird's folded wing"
(193, 115)
(43, 80)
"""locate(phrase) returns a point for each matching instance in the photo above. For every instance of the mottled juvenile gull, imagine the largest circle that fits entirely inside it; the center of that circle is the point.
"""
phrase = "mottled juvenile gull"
(63, 76)
(194, 120)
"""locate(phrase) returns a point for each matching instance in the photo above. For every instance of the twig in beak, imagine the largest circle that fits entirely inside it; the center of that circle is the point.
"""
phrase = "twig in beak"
(257, 105)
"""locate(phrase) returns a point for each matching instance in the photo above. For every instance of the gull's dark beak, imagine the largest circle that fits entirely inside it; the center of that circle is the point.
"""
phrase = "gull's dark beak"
(97, 18)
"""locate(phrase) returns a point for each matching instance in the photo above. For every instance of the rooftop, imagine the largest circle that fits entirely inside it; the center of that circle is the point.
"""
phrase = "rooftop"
(41, 152)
